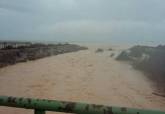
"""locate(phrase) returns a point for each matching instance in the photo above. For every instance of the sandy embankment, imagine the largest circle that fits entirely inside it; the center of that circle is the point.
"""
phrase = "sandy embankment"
(83, 76)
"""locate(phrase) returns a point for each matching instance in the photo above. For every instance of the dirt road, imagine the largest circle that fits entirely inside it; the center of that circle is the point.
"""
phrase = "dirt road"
(83, 76)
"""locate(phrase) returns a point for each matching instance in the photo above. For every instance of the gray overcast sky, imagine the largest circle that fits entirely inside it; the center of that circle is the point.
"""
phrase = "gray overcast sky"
(83, 20)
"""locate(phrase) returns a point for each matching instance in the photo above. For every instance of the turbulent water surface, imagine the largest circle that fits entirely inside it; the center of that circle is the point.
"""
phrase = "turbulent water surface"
(83, 76)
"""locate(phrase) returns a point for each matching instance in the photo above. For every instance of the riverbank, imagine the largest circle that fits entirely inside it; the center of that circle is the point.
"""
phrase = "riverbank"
(11, 54)
(149, 60)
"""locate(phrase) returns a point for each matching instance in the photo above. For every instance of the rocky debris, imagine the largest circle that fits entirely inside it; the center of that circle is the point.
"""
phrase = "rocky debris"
(99, 50)
(150, 60)
(110, 49)
(9, 56)
(112, 55)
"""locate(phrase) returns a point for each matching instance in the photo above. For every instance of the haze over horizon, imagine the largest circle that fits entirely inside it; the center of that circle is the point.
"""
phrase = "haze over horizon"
(128, 21)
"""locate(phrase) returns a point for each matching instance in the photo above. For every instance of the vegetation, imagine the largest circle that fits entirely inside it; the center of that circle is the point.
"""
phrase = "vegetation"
(150, 60)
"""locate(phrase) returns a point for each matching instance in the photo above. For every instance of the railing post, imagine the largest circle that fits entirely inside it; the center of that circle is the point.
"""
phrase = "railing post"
(39, 111)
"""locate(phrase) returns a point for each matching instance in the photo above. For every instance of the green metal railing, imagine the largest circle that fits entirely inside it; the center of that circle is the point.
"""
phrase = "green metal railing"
(40, 106)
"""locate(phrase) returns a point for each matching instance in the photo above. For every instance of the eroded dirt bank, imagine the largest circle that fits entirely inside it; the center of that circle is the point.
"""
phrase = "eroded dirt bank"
(83, 76)
(11, 55)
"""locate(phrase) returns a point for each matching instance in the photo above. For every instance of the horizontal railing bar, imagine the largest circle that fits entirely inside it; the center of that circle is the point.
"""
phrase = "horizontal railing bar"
(69, 107)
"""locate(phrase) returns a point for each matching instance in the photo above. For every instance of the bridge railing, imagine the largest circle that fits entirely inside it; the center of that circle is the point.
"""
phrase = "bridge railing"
(40, 106)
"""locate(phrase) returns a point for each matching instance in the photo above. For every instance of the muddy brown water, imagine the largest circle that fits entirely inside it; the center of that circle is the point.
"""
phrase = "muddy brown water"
(83, 76)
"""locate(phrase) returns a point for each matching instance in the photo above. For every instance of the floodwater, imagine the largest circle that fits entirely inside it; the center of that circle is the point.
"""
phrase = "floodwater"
(83, 76)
